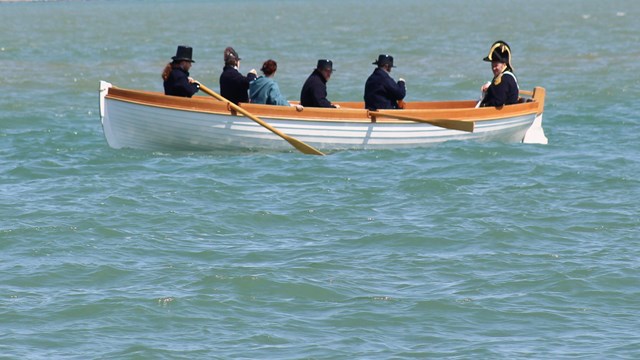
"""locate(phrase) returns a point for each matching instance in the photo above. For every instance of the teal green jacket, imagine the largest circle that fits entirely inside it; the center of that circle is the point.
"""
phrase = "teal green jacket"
(264, 90)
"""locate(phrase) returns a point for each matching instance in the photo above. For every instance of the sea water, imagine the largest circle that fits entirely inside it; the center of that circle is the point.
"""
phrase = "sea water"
(462, 251)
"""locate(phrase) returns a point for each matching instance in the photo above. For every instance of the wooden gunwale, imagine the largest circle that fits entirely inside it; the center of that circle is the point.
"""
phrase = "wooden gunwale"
(349, 111)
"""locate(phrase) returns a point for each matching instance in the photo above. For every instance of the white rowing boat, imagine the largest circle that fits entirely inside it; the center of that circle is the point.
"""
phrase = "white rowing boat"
(153, 121)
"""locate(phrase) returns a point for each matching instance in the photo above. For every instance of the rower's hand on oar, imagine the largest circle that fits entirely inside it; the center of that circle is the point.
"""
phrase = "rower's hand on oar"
(485, 87)
(194, 81)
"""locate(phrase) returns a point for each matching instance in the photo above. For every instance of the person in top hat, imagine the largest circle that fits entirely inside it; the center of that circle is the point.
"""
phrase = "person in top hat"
(176, 74)
(233, 85)
(380, 90)
(314, 90)
(503, 89)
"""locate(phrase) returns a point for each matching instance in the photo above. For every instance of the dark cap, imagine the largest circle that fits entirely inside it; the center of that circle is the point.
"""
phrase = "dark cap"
(325, 64)
(230, 55)
(384, 59)
(183, 53)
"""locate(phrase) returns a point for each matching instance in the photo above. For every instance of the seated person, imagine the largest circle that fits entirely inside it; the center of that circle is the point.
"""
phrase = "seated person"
(503, 89)
(264, 90)
(176, 74)
(314, 90)
(233, 85)
(380, 90)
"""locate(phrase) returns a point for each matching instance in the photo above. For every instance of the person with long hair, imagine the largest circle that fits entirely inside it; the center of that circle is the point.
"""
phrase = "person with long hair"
(176, 74)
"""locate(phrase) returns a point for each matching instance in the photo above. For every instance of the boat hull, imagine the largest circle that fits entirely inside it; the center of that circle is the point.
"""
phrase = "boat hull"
(147, 122)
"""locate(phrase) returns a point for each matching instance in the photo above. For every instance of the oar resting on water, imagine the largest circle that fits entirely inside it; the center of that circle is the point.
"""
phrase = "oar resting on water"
(304, 148)
(462, 125)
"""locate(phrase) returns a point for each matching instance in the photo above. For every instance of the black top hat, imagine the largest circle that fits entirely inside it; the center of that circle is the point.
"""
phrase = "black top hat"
(183, 53)
(325, 64)
(500, 51)
(384, 59)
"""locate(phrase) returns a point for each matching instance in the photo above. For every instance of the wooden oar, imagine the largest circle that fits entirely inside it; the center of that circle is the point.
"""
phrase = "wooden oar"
(482, 96)
(462, 125)
(304, 148)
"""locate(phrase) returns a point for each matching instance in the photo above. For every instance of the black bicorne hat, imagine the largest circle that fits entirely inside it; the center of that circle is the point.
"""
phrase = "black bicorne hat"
(183, 53)
(325, 64)
(384, 59)
(500, 51)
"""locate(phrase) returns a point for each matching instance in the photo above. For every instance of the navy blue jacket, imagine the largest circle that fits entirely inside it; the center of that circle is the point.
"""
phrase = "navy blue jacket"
(234, 86)
(177, 84)
(382, 92)
(314, 91)
(506, 92)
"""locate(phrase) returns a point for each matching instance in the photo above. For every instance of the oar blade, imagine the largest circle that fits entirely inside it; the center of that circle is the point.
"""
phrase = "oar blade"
(467, 126)
(462, 125)
(303, 147)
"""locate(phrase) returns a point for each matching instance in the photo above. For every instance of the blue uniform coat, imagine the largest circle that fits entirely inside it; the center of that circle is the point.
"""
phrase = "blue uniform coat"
(314, 91)
(234, 86)
(505, 92)
(382, 92)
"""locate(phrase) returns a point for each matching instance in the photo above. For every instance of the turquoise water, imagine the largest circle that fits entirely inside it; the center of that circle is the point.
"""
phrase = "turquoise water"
(460, 251)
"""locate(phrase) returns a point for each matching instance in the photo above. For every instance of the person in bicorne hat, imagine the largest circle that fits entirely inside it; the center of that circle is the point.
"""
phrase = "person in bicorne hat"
(503, 89)
(176, 74)
(314, 90)
(233, 85)
(380, 90)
